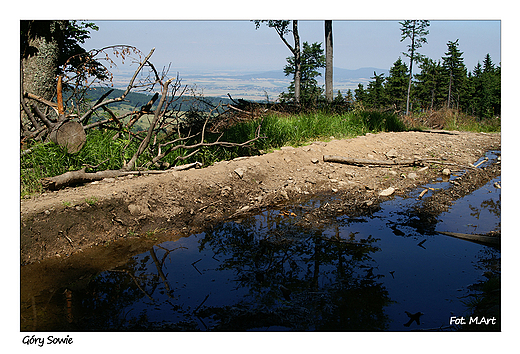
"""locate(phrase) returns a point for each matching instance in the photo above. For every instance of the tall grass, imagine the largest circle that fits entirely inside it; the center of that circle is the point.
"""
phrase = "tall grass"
(299, 129)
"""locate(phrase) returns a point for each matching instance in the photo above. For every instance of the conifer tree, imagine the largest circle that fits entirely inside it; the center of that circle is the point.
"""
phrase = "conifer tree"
(416, 31)
(312, 59)
(397, 85)
(485, 89)
(375, 91)
(360, 94)
(429, 85)
(456, 73)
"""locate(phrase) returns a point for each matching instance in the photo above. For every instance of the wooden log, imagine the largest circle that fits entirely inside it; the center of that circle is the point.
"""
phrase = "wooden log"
(484, 239)
(81, 176)
(365, 162)
(70, 135)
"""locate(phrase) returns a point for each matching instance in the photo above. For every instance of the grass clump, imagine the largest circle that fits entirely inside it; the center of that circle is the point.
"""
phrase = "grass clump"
(296, 130)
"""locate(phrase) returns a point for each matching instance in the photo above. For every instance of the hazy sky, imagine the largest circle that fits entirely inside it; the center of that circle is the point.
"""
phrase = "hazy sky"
(214, 45)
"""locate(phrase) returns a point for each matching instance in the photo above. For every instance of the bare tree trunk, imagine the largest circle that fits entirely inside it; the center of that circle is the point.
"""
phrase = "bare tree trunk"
(329, 90)
(297, 63)
(41, 63)
(410, 76)
(449, 89)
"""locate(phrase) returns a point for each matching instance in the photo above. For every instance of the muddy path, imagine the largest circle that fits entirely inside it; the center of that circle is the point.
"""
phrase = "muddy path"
(135, 212)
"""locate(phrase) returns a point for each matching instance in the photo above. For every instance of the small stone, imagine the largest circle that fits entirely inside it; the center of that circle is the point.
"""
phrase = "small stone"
(387, 192)
(47, 212)
(284, 194)
(412, 175)
(315, 160)
(446, 172)
(134, 209)
(224, 192)
(239, 172)
(392, 154)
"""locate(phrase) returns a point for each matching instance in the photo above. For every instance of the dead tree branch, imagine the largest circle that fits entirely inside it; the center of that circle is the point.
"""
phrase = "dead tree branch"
(396, 162)
(170, 128)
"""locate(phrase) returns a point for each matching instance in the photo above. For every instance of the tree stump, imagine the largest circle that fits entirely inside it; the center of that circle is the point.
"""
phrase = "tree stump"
(70, 135)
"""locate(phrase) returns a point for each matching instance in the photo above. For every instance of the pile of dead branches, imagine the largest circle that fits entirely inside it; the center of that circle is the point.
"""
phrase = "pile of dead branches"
(170, 128)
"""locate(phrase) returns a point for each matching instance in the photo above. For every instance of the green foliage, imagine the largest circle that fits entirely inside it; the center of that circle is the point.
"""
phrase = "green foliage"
(311, 59)
(416, 31)
(485, 89)
(301, 128)
(455, 70)
(439, 85)
(430, 88)
(375, 91)
(397, 85)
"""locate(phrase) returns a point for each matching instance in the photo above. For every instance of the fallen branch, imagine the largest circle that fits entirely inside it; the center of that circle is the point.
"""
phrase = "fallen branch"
(364, 162)
(395, 162)
(484, 239)
(81, 176)
(437, 131)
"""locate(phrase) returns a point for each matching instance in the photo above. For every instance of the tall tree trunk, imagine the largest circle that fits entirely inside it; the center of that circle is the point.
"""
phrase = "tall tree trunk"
(40, 61)
(297, 63)
(328, 61)
(449, 89)
(412, 53)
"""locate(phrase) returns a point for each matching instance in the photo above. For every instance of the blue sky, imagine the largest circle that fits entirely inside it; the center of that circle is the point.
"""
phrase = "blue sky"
(220, 45)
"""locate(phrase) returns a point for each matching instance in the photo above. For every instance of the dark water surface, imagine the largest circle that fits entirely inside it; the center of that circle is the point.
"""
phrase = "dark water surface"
(278, 271)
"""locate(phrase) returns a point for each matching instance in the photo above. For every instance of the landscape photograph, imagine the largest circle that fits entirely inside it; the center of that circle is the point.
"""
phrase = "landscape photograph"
(237, 176)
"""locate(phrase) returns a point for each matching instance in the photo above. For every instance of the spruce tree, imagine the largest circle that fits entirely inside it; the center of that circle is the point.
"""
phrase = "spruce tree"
(360, 94)
(312, 59)
(485, 89)
(397, 85)
(375, 91)
(416, 31)
(429, 87)
(456, 74)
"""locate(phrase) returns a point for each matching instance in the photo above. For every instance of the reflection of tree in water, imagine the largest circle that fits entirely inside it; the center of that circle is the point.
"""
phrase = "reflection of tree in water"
(484, 297)
(109, 302)
(297, 278)
(492, 206)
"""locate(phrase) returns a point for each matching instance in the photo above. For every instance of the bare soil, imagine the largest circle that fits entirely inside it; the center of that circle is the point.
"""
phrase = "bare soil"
(154, 208)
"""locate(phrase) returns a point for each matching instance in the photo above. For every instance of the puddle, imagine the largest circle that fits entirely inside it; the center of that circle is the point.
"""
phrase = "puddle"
(281, 271)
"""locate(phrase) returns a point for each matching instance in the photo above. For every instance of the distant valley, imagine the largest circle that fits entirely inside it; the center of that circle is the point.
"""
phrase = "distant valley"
(258, 85)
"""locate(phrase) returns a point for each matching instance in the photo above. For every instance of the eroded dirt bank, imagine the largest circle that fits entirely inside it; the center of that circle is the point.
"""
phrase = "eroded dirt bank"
(155, 208)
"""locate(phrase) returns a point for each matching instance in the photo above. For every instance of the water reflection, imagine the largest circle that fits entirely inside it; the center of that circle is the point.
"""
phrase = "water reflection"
(297, 278)
(259, 274)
